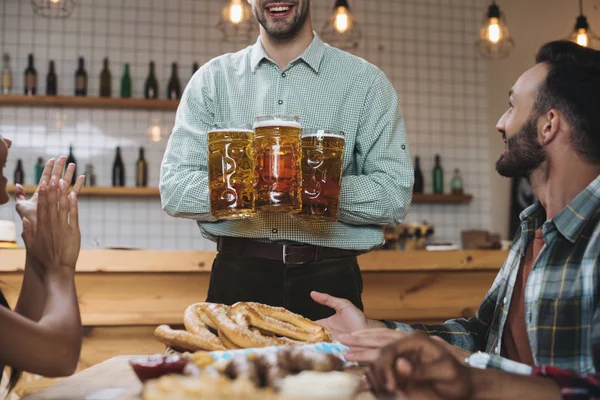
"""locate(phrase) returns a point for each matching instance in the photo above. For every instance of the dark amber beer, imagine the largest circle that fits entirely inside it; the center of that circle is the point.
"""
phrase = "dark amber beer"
(277, 154)
(322, 158)
(230, 173)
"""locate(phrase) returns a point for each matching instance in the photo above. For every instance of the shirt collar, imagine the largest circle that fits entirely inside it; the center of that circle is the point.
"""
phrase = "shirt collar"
(312, 56)
(571, 221)
(573, 218)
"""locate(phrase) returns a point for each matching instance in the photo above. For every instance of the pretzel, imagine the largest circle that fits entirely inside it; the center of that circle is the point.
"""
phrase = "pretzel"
(238, 332)
(188, 341)
(279, 321)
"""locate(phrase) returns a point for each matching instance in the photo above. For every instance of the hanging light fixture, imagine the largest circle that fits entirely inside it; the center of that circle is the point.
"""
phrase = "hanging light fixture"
(236, 21)
(582, 34)
(53, 8)
(341, 30)
(494, 41)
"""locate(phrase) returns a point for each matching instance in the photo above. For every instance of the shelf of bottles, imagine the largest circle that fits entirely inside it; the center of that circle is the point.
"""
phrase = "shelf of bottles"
(422, 198)
(100, 191)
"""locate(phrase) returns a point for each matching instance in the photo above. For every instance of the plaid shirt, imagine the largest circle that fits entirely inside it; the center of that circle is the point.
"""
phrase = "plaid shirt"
(572, 386)
(561, 295)
(328, 89)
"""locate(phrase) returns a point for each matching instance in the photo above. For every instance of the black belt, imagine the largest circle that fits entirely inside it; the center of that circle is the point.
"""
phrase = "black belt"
(285, 253)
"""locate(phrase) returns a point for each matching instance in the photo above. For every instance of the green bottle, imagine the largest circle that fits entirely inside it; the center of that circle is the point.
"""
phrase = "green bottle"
(39, 169)
(438, 176)
(126, 82)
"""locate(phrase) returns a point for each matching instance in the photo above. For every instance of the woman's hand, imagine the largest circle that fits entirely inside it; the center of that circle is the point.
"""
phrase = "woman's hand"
(56, 243)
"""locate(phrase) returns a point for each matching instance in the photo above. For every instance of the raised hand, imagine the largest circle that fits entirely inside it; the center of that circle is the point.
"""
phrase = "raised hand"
(56, 243)
(27, 208)
(347, 318)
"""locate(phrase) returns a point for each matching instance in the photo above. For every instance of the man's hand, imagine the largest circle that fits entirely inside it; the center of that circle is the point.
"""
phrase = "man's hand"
(28, 208)
(347, 318)
(419, 367)
(365, 345)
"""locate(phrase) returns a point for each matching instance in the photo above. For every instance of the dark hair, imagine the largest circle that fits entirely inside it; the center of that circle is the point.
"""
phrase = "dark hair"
(573, 88)
(15, 374)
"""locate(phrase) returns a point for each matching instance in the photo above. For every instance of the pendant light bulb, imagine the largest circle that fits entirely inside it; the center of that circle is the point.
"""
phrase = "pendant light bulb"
(236, 12)
(582, 34)
(494, 41)
(341, 30)
(342, 20)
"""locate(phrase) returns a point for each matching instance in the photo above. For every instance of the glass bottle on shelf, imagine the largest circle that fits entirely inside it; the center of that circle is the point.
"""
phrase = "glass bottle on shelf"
(105, 80)
(30, 84)
(19, 173)
(418, 186)
(90, 178)
(141, 170)
(126, 82)
(456, 183)
(51, 81)
(71, 159)
(39, 169)
(6, 75)
(438, 176)
(174, 87)
(80, 79)
(151, 85)
(118, 170)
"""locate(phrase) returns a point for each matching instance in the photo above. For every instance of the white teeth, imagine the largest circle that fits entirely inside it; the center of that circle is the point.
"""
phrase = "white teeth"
(279, 9)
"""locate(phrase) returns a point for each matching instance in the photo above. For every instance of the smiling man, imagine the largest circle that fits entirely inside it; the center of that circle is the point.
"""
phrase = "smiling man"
(543, 308)
(275, 258)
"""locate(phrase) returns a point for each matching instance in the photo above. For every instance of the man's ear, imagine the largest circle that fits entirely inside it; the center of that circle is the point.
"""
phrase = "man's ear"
(551, 122)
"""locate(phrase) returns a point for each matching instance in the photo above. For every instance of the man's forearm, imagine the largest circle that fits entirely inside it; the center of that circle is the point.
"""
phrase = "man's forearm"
(32, 297)
(490, 384)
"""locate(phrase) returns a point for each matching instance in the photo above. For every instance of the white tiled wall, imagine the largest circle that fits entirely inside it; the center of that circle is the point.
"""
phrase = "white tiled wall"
(426, 47)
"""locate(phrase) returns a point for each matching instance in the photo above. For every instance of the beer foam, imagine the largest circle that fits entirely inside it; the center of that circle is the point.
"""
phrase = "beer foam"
(322, 133)
(231, 130)
(277, 122)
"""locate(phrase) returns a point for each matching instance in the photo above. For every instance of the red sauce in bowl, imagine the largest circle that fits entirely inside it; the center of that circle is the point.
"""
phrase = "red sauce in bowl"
(153, 367)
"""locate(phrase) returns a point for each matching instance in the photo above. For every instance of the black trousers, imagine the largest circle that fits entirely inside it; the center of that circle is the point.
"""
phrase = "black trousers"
(240, 278)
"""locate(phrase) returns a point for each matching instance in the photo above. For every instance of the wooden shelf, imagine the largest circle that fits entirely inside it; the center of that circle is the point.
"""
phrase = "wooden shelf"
(420, 198)
(99, 191)
(87, 102)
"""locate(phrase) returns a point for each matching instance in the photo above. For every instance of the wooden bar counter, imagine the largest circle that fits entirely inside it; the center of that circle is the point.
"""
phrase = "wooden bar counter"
(125, 294)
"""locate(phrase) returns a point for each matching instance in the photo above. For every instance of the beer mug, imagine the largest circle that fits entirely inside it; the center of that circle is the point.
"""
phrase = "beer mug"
(230, 171)
(322, 157)
(277, 154)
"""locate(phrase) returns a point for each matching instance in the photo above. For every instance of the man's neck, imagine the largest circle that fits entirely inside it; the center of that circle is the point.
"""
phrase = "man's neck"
(557, 185)
(285, 51)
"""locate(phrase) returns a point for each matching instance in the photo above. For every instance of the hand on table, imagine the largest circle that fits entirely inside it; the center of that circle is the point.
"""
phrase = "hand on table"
(28, 208)
(347, 318)
(419, 367)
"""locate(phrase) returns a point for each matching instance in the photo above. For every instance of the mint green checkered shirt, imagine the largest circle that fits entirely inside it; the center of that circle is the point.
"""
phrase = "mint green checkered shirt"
(328, 89)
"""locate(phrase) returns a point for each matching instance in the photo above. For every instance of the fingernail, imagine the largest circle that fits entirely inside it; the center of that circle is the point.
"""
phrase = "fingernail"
(61, 183)
(53, 182)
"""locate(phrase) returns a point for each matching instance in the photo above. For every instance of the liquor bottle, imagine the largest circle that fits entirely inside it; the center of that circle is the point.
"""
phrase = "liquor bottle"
(438, 176)
(418, 187)
(126, 82)
(118, 170)
(71, 159)
(456, 183)
(80, 79)
(195, 67)
(151, 85)
(51, 81)
(6, 75)
(19, 173)
(90, 177)
(174, 87)
(39, 170)
(30, 78)
(105, 81)
(141, 170)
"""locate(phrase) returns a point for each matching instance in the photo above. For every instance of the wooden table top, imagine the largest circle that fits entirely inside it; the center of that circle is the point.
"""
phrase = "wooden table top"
(112, 379)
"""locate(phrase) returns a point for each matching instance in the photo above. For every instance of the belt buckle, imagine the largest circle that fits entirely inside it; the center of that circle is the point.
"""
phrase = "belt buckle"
(286, 255)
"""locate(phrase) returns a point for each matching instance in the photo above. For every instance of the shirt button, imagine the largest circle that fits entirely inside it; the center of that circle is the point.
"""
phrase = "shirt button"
(505, 300)
(280, 102)
(283, 75)
(497, 349)
(274, 230)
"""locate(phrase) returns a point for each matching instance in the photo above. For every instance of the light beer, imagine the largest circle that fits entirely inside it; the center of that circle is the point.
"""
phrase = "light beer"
(322, 157)
(277, 154)
(230, 173)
